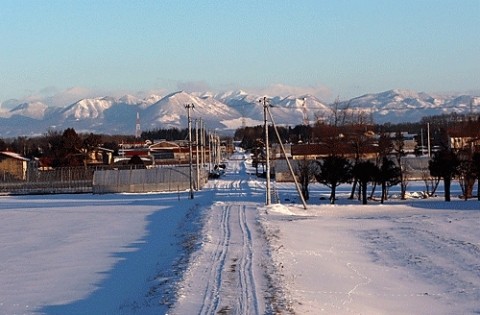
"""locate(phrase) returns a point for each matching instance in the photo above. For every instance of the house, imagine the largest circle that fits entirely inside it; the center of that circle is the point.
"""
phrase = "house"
(460, 140)
(408, 139)
(465, 135)
(128, 150)
(315, 151)
(169, 152)
(13, 166)
(178, 152)
(99, 156)
(277, 152)
(163, 152)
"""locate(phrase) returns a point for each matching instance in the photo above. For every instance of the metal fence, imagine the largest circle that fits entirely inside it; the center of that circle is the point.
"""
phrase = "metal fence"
(51, 181)
(88, 180)
(157, 179)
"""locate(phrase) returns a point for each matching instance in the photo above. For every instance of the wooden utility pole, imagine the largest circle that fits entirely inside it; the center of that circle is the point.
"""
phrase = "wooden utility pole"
(190, 156)
(202, 140)
(268, 199)
(286, 159)
(210, 148)
(197, 154)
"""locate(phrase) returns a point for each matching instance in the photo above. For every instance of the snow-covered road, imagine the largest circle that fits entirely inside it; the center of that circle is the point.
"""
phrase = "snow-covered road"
(227, 275)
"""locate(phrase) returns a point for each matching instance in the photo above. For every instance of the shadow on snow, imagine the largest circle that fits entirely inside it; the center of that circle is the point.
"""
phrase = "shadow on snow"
(142, 280)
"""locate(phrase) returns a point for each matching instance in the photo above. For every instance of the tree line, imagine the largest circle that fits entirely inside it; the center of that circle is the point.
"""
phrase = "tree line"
(68, 148)
(348, 135)
(335, 170)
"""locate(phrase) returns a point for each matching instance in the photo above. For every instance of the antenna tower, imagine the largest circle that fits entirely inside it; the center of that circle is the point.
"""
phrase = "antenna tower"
(306, 122)
(244, 123)
(138, 131)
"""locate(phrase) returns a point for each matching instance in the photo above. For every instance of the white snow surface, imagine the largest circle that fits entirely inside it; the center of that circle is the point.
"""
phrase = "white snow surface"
(225, 252)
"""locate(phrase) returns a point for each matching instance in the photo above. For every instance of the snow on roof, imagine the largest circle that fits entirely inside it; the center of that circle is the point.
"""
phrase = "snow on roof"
(14, 155)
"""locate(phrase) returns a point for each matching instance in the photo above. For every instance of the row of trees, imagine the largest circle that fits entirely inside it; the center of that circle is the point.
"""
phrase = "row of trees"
(333, 171)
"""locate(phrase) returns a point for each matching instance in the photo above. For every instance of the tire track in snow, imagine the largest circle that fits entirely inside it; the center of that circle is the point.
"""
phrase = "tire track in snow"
(226, 275)
(211, 296)
(237, 289)
(247, 278)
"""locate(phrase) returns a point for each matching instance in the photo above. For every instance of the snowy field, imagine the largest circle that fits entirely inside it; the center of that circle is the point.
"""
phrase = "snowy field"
(224, 252)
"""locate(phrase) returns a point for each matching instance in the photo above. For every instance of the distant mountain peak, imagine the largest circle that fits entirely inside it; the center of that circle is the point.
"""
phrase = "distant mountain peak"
(223, 111)
(35, 110)
(129, 99)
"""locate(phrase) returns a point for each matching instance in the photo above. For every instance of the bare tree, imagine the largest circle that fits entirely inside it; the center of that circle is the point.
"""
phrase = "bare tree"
(306, 173)
(476, 170)
(365, 172)
(431, 183)
(399, 152)
(389, 175)
(445, 165)
(466, 172)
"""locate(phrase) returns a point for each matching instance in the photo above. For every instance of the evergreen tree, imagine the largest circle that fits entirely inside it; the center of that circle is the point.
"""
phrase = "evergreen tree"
(333, 171)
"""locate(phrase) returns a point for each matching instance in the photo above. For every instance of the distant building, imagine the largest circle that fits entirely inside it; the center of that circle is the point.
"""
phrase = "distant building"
(314, 151)
(169, 152)
(465, 136)
(99, 156)
(409, 141)
(128, 150)
(13, 166)
(277, 152)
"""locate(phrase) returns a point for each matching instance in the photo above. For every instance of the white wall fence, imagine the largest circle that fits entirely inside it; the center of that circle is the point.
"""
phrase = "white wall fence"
(160, 179)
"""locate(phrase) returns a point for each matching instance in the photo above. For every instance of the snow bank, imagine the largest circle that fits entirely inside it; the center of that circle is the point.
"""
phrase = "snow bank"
(278, 208)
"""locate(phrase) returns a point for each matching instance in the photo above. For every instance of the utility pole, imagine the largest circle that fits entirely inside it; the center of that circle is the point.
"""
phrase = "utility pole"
(197, 154)
(428, 140)
(288, 162)
(268, 199)
(202, 140)
(219, 149)
(215, 149)
(210, 148)
(190, 157)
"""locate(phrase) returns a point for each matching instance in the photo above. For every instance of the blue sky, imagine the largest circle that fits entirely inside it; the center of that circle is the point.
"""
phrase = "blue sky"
(328, 48)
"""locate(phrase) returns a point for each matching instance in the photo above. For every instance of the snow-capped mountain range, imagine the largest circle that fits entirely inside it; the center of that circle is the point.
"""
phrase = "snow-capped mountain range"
(223, 112)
